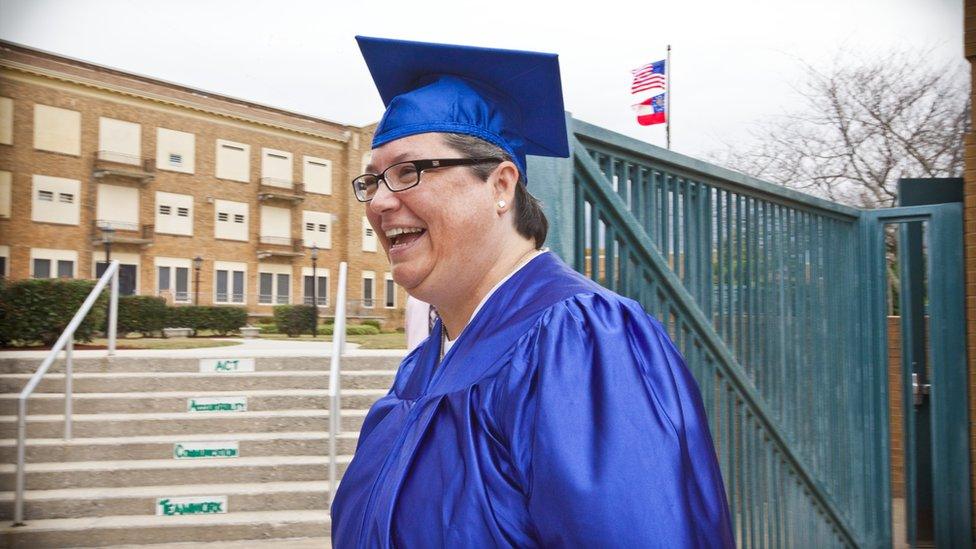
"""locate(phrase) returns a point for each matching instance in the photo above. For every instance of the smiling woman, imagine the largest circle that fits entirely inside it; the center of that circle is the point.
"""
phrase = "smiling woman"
(543, 410)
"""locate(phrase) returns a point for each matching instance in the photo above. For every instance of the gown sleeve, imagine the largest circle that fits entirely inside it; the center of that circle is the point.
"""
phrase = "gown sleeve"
(609, 435)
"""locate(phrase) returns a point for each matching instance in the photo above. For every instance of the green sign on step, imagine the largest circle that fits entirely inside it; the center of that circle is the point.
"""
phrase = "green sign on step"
(217, 404)
(226, 365)
(191, 505)
(206, 450)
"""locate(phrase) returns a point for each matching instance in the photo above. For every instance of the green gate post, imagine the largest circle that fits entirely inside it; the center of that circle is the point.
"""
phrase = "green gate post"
(551, 181)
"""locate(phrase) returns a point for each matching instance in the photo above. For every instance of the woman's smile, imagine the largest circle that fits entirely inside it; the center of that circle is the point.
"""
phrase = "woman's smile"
(402, 240)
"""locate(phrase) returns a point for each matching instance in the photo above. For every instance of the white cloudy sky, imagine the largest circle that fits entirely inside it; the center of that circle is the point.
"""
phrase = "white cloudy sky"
(733, 61)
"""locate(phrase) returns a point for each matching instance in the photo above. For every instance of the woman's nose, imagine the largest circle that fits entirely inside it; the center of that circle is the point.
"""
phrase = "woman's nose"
(384, 199)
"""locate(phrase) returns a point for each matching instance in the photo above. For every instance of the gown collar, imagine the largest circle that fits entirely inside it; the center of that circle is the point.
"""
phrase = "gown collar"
(492, 333)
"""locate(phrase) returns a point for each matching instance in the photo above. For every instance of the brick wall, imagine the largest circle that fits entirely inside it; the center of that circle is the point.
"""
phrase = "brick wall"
(30, 78)
(969, 219)
(895, 417)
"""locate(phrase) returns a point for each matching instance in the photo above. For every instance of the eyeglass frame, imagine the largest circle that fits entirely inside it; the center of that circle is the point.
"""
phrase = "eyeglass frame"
(421, 166)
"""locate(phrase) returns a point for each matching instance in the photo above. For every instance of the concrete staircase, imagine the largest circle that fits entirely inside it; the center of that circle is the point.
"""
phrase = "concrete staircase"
(172, 450)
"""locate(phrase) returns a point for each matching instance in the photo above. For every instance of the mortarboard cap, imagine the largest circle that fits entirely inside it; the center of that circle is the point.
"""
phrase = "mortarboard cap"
(510, 98)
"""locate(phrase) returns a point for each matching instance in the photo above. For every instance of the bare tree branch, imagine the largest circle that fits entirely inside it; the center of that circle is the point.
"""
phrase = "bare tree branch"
(864, 125)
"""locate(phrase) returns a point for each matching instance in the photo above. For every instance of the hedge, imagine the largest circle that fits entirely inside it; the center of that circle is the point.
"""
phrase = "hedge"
(40, 310)
(141, 313)
(373, 322)
(222, 320)
(294, 320)
(354, 329)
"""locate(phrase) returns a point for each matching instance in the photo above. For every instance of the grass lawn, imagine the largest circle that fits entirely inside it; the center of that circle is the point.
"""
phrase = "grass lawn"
(394, 340)
(138, 343)
(168, 343)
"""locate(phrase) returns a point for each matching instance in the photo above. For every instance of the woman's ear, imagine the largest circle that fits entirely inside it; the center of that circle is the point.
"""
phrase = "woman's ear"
(503, 181)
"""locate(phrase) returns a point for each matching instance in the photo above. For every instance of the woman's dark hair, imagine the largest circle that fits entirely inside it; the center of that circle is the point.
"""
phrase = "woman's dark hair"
(530, 221)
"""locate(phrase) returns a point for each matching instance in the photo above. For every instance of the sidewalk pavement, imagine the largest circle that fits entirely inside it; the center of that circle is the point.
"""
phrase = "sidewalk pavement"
(247, 348)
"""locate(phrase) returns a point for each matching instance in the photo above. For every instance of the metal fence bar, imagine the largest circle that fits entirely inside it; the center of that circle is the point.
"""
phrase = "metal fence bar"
(684, 317)
(63, 342)
(335, 383)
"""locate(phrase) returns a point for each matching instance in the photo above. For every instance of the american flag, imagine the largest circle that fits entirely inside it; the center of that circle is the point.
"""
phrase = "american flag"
(649, 77)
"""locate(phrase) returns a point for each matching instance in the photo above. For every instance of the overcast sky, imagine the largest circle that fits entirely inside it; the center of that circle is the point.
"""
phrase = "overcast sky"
(733, 61)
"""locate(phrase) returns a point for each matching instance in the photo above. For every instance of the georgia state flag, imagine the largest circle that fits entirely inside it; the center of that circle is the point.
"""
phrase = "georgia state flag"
(651, 111)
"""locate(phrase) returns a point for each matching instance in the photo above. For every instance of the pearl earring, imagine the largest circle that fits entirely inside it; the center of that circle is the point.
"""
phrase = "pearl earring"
(501, 203)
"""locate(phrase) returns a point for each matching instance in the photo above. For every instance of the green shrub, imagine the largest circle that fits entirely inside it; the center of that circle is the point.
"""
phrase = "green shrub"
(40, 310)
(141, 313)
(294, 320)
(222, 320)
(373, 322)
(354, 329)
(226, 320)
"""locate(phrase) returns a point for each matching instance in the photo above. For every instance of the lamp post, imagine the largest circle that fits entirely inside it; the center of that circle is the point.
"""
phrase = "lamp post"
(107, 233)
(197, 263)
(315, 299)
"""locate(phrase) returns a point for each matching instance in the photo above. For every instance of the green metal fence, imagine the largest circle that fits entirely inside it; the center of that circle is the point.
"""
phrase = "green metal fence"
(759, 288)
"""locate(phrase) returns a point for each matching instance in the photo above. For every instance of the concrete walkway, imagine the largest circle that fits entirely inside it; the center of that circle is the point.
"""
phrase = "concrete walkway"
(246, 348)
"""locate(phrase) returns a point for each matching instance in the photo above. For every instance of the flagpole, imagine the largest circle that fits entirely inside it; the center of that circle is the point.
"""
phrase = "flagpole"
(667, 107)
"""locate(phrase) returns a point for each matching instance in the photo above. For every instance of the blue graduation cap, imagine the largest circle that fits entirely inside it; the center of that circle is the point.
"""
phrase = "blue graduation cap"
(510, 98)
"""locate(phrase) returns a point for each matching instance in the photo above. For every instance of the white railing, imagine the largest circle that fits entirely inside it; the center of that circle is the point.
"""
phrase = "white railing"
(335, 387)
(66, 342)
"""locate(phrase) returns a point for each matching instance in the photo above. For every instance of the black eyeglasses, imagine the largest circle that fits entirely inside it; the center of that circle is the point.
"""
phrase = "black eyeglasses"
(404, 175)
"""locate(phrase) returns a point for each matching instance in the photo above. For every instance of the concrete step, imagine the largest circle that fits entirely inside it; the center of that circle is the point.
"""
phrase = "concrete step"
(178, 401)
(142, 529)
(194, 381)
(307, 443)
(166, 472)
(122, 425)
(283, 543)
(104, 364)
(141, 500)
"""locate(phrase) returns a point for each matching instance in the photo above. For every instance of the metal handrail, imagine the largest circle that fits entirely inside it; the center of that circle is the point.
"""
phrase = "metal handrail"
(335, 387)
(66, 342)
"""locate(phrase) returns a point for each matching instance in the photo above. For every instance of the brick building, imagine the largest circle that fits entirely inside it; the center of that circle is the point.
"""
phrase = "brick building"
(180, 184)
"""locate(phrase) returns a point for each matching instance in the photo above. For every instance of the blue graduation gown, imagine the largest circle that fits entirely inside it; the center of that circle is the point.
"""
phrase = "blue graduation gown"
(563, 416)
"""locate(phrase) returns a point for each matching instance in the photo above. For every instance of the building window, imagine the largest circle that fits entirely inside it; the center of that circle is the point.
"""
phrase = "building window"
(3, 266)
(316, 233)
(117, 207)
(175, 280)
(226, 229)
(5, 185)
(182, 205)
(321, 291)
(368, 279)
(265, 283)
(6, 121)
(42, 268)
(274, 288)
(64, 208)
(276, 169)
(230, 286)
(369, 237)
(233, 161)
(119, 141)
(57, 130)
(317, 175)
(390, 292)
(175, 150)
